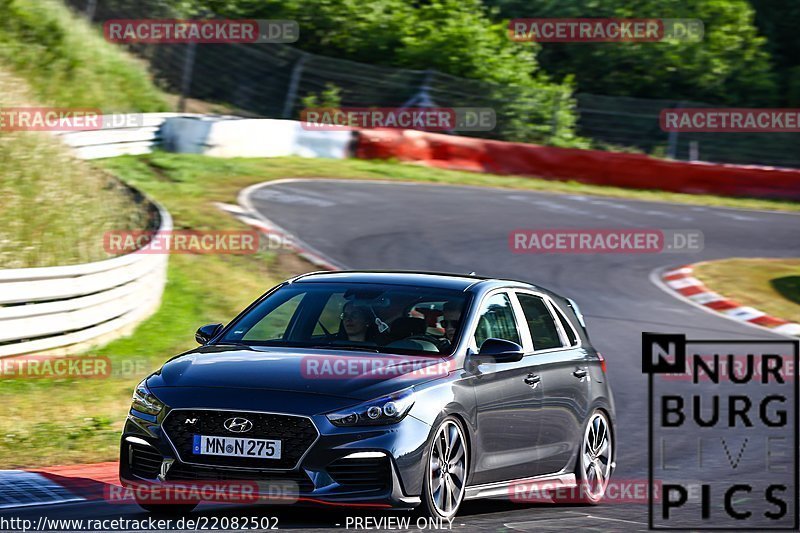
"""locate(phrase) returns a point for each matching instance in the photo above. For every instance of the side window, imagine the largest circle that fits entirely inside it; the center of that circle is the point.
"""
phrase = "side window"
(331, 315)
(571, 336)
(540, 322)
(273, 326)
(496, 321)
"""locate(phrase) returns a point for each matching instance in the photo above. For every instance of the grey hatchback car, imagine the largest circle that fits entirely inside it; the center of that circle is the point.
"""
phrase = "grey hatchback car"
(394, 389)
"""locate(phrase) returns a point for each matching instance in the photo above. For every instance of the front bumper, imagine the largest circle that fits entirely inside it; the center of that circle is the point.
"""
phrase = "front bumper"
(380, 466)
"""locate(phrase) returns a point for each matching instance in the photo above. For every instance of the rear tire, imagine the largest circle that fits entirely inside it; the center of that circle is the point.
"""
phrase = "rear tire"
(593, 469)
(445, 471)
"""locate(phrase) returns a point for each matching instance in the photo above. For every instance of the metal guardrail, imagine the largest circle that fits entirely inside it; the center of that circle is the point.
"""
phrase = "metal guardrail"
(69, 308)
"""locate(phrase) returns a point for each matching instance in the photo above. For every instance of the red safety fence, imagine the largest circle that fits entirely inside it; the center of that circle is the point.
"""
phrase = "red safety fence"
(587, 166)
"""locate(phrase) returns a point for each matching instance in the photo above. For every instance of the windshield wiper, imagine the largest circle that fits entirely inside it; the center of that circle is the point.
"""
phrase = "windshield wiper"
(233, 343)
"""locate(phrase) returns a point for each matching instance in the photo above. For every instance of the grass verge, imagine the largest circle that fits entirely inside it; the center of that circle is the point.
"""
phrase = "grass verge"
(84, 425)
(55, 208)
(769, 285)
(48, 421)
(218, 177)
(68, 63)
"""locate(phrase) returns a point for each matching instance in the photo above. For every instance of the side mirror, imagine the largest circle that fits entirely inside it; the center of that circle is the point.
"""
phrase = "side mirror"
(207, 332)
(500, 351)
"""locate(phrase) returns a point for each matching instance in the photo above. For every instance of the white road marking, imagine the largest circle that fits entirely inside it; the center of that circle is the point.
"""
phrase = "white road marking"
(549, 205)
(626, 207)
(571, 523)
(744, 313)
(788, 329)
(290, 198)
(706, 297)
(733, 216)
(684, 270)
(684, 283)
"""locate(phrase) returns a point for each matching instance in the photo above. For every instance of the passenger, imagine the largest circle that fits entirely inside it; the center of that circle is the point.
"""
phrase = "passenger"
(451, 320)
(356, 322)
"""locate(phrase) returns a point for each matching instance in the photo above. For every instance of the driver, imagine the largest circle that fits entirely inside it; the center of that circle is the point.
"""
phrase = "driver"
(451, 319)
(356, 322)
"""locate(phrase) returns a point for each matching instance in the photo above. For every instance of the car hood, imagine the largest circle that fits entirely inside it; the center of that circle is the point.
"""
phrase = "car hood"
(337, 373)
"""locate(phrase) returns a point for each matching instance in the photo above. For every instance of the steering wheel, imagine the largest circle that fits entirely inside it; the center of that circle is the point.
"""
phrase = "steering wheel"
(328, 335)
(427, 338)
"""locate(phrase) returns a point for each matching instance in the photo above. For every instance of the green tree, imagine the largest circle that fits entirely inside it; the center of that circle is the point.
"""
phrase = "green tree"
(454, 37)
(731, 65)
(778, 20)
(330, 97)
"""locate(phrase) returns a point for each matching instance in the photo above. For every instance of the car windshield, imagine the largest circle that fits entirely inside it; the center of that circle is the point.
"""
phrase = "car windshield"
(378, 318)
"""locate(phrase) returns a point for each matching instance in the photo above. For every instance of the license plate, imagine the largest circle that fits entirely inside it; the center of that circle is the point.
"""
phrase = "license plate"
(237, 447)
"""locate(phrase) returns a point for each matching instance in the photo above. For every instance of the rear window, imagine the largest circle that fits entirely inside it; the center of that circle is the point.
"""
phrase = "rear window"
(540, 322)
(568, 330)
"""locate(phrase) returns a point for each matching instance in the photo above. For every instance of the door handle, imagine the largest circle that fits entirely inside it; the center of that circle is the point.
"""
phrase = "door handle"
(532, 380)
(580, 373)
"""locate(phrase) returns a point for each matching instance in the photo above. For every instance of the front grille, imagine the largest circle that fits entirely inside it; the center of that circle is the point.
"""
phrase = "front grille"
(363, 474)
(144, 461)
(296, 434)
(184, 472)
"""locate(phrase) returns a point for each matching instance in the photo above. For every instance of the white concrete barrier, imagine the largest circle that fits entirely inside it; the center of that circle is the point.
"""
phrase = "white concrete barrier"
(243, 137)
(215, 136)
(328, 144)
(136, 133)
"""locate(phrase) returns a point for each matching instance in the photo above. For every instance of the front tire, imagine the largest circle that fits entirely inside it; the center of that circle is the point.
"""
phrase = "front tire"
(446, 470)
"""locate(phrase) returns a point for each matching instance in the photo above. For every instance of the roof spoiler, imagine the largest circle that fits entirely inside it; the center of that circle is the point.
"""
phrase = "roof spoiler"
(577, 311)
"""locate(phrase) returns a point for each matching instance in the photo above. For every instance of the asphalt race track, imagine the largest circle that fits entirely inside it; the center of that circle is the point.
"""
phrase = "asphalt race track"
(370, 225)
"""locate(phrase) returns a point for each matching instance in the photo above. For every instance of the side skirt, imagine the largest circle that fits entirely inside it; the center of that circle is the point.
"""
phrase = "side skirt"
(501, 489)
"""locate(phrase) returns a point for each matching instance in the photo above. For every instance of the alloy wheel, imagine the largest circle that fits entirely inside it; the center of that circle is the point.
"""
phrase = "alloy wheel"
(447, 470)
(596, 454)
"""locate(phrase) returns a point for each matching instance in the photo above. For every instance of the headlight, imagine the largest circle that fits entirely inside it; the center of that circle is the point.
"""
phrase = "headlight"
(144, 401)
(386, 410)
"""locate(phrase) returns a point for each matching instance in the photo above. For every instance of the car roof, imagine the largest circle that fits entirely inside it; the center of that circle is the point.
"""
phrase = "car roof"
(441, 280)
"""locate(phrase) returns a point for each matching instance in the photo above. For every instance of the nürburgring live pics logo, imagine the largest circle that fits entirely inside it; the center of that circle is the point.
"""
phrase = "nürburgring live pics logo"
(722, 443)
